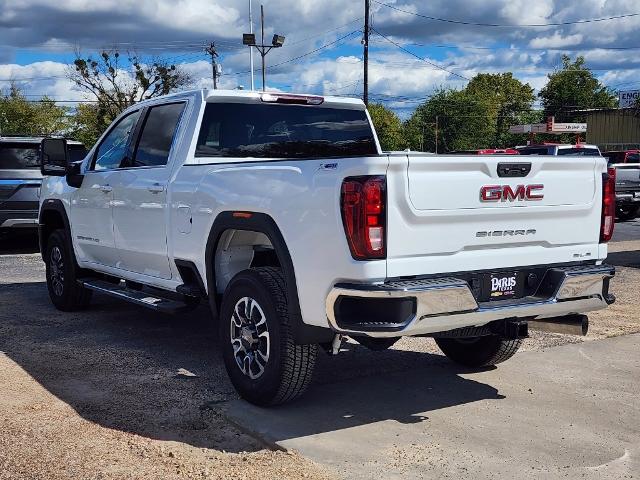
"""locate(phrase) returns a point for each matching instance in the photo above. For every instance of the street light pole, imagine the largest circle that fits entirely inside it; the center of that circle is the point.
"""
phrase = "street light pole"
(249, 39)
(365, 41)
(253, 86)
(262, 43)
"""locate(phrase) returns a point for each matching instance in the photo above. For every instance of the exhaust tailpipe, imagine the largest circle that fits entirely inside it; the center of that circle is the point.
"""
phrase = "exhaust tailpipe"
(569, 324)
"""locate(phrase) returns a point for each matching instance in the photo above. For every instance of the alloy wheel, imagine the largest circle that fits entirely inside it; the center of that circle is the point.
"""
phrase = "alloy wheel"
(56, 271)
(250, 337)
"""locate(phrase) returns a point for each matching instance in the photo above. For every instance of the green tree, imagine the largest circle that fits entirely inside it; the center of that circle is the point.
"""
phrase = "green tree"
(19, 116)
(116, 84)
(87, 123)
(572, 88)
(507, 100)
(461, 120)
(388, 127)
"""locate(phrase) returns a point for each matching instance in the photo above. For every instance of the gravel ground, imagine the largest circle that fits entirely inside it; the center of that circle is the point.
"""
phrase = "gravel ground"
(121, 392)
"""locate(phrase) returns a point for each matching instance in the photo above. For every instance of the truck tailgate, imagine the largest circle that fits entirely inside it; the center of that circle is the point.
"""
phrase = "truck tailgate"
(438, 221)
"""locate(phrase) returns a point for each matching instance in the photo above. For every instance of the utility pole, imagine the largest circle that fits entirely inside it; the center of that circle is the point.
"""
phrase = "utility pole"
(436, 133)
(211, 50)
(253, 86)
(365, 43)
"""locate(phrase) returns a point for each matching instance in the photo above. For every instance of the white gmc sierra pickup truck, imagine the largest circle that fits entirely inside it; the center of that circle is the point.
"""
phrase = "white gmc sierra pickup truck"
(282, 212)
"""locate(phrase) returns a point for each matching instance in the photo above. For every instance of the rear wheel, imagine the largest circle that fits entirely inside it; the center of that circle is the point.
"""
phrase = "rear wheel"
(479, 351)
(627, 212)
(62, 275)
(263, 362)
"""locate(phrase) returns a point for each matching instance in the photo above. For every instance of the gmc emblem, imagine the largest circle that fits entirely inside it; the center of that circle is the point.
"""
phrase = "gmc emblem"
(504, 193)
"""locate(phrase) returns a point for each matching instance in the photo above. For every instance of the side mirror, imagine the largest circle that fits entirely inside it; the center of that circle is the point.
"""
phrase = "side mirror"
(54, 157)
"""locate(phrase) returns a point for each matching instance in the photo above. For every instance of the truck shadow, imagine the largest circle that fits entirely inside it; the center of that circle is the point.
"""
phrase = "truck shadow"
(624, 259)
(130, 369)
(19, 242)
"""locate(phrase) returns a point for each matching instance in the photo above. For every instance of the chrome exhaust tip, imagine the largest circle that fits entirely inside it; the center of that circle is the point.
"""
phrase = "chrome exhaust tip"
(569, 324)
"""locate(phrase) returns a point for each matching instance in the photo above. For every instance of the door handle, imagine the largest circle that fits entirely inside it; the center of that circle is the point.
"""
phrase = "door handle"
(156, 188)
(106, 188)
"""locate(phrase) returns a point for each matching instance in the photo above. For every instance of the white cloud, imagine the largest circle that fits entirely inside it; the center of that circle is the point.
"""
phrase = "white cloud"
(556, 41)
(177, 29)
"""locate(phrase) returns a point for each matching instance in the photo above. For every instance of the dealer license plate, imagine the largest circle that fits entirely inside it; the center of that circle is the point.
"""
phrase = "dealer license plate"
(502, 286)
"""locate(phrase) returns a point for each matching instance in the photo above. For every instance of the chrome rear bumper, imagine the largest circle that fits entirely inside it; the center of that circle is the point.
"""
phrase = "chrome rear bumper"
(440, 304)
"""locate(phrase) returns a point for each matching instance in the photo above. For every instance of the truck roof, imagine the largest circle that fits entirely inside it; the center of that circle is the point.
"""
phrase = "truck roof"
(254, 96)
(249, 96)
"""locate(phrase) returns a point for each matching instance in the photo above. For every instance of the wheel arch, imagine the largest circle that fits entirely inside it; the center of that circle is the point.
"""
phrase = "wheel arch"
(52, 216)
(261, 223)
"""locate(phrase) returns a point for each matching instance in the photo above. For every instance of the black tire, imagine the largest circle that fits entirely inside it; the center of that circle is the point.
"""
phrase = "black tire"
(627, 213)
(62, 275)
(288, 369)
(479, 352)
(377, 344)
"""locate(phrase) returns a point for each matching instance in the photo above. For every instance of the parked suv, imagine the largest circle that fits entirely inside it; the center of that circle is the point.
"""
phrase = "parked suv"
(20, 180)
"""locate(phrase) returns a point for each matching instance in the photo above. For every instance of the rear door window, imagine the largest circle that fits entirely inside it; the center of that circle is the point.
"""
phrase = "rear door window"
(19, 156)
(283, 131)
(158, 130)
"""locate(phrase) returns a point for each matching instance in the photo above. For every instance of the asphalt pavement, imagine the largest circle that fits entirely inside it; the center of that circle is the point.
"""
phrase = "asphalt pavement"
(625, 231)
(567, 412)
(563, 412)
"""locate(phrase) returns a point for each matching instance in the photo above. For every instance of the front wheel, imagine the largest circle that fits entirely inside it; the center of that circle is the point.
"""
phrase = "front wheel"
(627, 212)
(61, 269)
(479, 352)
(263, 362)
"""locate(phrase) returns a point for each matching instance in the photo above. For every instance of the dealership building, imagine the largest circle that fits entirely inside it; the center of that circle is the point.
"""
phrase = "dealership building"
(615, 128)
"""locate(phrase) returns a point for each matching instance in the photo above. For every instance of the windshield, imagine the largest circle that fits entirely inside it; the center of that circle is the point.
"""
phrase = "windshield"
(26, 156)
(579, 152)
(283, 131)
(19, 156)
(633, 158)
(534, 151)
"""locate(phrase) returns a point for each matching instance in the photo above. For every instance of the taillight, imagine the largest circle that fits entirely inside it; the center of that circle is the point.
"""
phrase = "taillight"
(363, 204)
(608, 205)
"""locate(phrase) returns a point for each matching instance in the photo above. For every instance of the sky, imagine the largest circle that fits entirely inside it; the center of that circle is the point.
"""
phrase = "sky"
(415, 46)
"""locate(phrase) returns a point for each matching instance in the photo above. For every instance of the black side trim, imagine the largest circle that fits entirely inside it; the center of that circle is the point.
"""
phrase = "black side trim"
(193, 284)
(50, 205)
(374, 314)
(260, 222)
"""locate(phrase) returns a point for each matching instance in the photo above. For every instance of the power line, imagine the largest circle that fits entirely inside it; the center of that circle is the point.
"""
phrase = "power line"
(574, 48)
(324, 32)
(315, 50)
(419, 57)
(550, 24)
